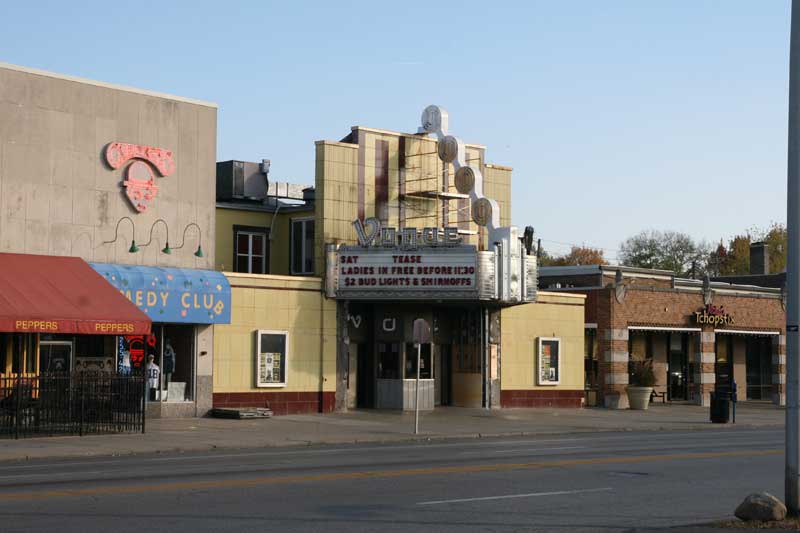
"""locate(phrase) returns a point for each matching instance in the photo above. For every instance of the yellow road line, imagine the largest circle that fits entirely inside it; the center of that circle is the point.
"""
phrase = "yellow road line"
(465, 469)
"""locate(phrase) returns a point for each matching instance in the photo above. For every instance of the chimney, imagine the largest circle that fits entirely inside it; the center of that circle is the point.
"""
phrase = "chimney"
(759, 258)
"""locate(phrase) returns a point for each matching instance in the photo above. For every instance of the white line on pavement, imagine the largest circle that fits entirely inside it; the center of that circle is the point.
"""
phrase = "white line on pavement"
(509, 496)
(540, 449)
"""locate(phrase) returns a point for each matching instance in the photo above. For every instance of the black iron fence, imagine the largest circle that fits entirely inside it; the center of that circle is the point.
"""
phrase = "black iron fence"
(80, 403)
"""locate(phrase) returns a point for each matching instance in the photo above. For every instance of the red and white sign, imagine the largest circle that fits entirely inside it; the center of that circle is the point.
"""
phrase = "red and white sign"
(140, 180)
(398, 271)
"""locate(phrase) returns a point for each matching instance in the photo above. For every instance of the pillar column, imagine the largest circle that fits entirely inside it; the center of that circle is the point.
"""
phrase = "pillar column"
(705, 361)
(615, 368)
(778, 370)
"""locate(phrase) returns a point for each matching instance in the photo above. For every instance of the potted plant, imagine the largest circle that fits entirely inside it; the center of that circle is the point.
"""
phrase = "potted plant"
(642, 381)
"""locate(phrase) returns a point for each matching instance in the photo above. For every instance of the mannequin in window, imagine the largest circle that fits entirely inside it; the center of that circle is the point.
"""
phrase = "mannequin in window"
(169, 362)
(153, 375)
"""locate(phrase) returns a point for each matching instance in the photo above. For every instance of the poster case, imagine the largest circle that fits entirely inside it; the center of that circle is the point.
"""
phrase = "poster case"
(272, 349)
(548, 367)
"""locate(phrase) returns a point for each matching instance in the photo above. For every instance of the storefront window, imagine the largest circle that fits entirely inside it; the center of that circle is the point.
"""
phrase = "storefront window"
(271, 358)
(425, 367)
(388, 360)
(549, 361)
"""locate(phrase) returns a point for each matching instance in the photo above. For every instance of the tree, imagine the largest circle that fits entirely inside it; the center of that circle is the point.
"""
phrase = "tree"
(736, 258)
(666, 250)
(581, 255)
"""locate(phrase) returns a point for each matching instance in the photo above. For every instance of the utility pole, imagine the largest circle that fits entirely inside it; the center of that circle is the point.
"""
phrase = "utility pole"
(792, 480)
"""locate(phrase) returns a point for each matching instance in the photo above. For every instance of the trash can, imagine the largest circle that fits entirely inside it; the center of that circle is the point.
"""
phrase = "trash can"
(720, 408)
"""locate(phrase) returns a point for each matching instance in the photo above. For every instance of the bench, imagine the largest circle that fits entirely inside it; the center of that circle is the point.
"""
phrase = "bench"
(655, 393)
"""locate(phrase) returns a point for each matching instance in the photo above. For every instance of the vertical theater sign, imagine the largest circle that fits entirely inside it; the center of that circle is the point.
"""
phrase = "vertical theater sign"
(433, 263)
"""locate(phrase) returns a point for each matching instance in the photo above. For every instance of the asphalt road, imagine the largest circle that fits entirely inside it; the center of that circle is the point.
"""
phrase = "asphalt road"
(591, 482)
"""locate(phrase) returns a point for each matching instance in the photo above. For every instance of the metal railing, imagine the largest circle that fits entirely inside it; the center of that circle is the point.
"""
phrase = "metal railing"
(80, 403)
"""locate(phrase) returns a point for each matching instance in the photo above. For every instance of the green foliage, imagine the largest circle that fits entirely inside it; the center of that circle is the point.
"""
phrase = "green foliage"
(642, 374)
(735, 259)
(666, 250)
(578, 255)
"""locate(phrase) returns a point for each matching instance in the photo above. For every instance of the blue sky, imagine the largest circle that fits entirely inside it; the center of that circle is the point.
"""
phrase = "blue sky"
(617, 116)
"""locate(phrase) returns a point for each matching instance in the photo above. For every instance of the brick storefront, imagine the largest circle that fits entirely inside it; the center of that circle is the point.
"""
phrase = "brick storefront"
(649, 314)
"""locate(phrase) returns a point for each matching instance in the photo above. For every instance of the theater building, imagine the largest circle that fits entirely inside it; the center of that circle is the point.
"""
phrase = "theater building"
(328, 281)
(107, 226)
(699, 335)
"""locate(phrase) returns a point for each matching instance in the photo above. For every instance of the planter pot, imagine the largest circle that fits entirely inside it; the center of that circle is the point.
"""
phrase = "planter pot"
(639, 397)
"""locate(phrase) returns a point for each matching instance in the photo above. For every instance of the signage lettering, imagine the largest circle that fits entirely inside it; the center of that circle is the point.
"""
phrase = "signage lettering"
(371, 233)
(114, 327)
(36, 325)
(189, 300)
(388, 269)
(714, 316)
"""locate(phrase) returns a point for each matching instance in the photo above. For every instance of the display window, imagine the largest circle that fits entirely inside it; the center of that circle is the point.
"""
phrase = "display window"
(549, 361)
(425, 365)
(272, 348)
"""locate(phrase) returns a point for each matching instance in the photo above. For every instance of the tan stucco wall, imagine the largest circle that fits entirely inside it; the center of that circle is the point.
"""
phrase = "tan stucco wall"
(279, 245)
(293, 304)
(553, 315)
(59, 197)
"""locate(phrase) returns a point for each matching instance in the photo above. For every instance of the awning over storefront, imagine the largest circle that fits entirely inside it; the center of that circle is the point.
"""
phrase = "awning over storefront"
(47, 294)
(172, 295)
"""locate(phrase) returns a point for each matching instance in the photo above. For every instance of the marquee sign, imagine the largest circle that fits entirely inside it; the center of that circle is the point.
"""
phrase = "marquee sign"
(445, 273)
(140, 181)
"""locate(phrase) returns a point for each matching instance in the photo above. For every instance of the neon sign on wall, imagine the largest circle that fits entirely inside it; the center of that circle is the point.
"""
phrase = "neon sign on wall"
(140, 180)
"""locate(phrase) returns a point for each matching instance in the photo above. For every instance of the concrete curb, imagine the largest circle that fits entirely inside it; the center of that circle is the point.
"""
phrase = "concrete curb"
(305, 443)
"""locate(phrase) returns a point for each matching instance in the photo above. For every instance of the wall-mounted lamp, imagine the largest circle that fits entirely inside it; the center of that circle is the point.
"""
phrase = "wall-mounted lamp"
(199, 252)
(133, 249)
(166, 250)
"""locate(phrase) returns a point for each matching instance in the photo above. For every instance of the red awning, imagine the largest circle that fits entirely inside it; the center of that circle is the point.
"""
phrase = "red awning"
(47, 294)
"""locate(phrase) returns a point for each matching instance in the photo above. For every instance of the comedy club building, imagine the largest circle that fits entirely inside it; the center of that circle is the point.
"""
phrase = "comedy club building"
(398, 226)
(699, 335)
(106, 203)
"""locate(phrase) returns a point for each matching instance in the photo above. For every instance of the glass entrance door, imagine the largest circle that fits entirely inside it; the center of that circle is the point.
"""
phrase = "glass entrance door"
(55, 356)
(677, 367)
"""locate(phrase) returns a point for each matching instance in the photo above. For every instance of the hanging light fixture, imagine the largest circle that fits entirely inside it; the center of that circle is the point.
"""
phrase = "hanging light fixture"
(166, 250)
(133, 249)
(199, 252)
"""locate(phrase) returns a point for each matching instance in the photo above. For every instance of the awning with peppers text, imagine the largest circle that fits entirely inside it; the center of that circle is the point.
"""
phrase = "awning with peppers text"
(47, 294)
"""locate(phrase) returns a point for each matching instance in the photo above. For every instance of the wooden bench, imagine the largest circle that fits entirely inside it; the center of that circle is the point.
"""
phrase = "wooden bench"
(662, 394)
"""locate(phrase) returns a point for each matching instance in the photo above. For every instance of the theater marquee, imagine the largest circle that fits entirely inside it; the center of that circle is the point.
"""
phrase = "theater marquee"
(423, 273)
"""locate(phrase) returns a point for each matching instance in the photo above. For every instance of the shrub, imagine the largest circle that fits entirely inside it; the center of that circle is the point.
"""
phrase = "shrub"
(642, 374)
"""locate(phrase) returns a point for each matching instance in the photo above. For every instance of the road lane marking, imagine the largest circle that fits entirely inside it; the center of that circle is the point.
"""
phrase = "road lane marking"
(374, 474)
(510, 496)
(523, 450)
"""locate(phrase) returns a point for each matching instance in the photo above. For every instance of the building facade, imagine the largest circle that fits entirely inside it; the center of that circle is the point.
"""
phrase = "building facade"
(699, 335)
(391, 233)
(123, 180)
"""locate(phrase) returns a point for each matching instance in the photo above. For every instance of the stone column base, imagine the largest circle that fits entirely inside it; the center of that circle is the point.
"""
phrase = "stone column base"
(779, 399)
(703, 398)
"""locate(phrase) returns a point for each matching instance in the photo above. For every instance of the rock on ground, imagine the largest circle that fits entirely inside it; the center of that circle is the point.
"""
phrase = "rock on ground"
(761, 506)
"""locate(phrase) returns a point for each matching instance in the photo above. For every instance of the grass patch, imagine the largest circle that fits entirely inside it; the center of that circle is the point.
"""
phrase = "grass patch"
(792, 524)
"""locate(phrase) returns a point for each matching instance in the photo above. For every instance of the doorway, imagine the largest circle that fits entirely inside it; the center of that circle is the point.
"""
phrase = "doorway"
(55, 356)
(758, 364)
(677, 366)
(724, 362)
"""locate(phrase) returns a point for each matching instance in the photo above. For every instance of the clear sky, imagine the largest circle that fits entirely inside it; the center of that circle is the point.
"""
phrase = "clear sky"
(617, 116)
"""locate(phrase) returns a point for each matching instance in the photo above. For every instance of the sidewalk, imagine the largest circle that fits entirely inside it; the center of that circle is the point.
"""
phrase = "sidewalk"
(198, 434)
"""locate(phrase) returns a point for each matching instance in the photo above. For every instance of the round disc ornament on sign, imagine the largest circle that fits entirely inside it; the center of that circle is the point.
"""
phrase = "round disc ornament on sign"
(482, 211)
(448, 149)
(465, 180)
